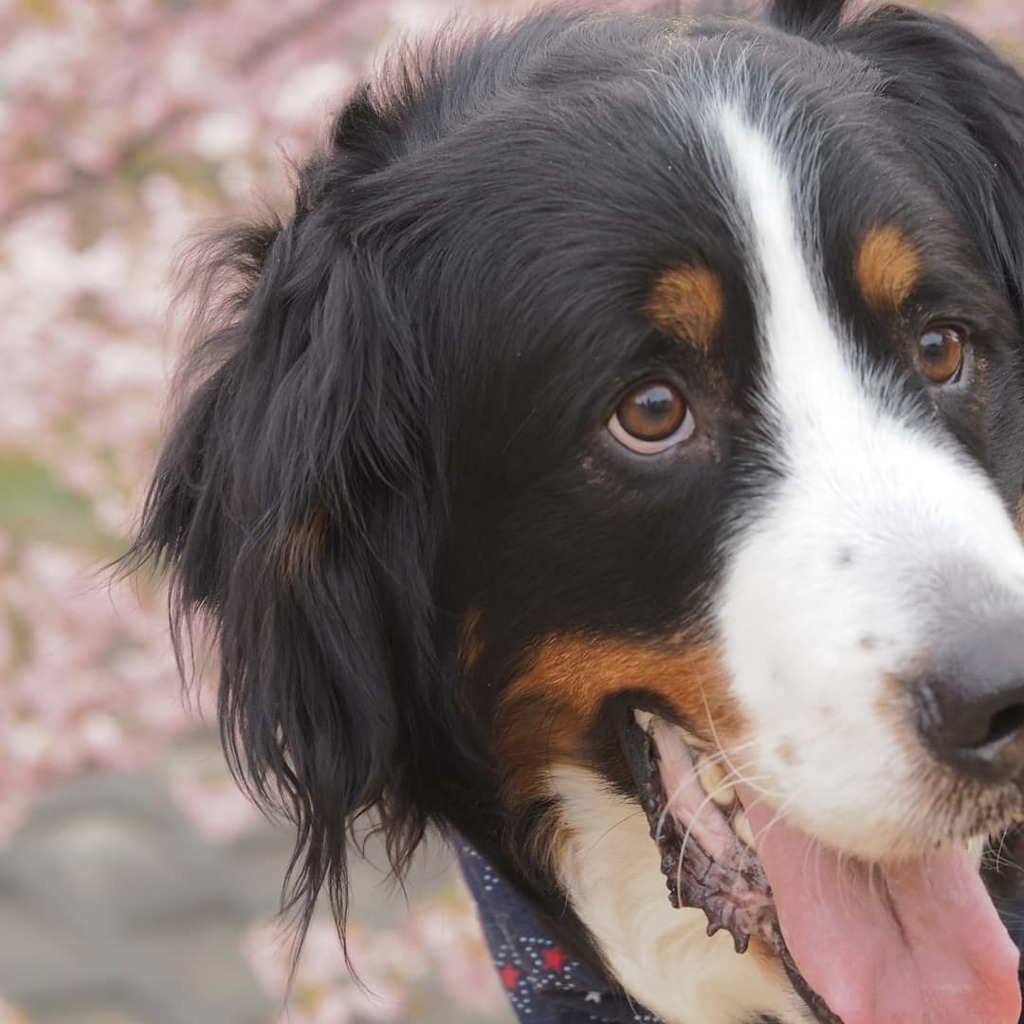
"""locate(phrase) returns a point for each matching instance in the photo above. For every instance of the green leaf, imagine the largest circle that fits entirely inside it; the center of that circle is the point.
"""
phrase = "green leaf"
(35, 505)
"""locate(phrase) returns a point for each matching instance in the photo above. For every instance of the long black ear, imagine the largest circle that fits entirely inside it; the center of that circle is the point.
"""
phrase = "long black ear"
(806, 16)
(296, 505)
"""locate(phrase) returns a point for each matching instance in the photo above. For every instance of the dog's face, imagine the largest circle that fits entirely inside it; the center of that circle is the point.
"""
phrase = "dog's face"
(748, 462)
(743, 440)
(626, 433)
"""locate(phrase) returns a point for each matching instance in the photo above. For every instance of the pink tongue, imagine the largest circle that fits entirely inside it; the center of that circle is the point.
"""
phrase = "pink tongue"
(915, 943)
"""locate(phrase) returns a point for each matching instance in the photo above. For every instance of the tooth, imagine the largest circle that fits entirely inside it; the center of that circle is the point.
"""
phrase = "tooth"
(643, 719)
(975, 848)
(745, 834)
(712, 777)
(693, 742)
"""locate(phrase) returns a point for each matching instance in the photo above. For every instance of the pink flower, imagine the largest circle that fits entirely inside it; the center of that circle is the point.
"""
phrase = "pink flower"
(209, 798)
(9, 1015)
(397, 967)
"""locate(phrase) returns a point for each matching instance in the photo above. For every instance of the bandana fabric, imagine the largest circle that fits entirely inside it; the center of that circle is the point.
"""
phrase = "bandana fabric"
(543, 984)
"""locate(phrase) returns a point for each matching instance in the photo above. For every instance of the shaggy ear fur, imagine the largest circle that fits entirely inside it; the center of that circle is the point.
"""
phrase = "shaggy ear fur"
(296, 504)
(806, 15)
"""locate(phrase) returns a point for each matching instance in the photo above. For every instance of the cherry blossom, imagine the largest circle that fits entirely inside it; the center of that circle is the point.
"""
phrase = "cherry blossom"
(396, 968)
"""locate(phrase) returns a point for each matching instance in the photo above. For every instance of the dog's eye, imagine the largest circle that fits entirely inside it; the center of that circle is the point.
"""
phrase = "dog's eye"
(652, 417)
(940, 354)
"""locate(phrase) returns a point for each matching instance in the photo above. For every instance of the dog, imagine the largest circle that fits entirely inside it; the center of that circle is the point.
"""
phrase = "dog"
(616, 462)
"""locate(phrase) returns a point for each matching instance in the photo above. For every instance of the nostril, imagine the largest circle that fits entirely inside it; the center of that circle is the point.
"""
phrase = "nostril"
(970, 706)
(1005, 723)
(974, 729)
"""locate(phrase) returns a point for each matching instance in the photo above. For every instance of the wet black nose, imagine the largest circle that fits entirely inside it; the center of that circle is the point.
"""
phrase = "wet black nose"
(971, 705)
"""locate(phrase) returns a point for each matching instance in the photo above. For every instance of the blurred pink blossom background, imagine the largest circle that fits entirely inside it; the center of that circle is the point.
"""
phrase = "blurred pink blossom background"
(125, 125)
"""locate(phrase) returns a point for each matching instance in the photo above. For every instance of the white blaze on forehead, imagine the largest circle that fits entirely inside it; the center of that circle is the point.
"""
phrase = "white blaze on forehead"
(859, 557)
(801, 348)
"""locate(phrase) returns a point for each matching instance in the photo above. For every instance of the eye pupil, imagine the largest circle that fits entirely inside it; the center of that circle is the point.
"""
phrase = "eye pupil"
(652, 412)
(940, 354)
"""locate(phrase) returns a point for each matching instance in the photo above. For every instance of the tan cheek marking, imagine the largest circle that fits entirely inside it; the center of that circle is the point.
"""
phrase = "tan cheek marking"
(888, 267)
(471, 645)
(545, 713)
(688, 303)
(304, 545)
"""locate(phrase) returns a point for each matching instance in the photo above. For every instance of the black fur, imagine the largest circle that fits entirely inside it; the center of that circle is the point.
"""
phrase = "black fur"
(390, 396)
(810, 16)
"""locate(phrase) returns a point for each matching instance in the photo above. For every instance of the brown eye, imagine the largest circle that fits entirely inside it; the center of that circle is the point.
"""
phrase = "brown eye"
(940, 354)
(651, 417)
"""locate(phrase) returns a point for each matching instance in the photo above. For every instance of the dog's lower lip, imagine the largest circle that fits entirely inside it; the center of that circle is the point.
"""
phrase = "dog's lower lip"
(700, 828)
(715, 775)
(727, 881)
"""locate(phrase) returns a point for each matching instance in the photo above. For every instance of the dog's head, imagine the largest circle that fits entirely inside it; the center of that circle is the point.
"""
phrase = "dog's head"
(631, 414)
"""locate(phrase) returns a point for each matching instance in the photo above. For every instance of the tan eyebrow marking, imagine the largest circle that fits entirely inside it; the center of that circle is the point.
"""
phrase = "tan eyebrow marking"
(888, 267)
(688, 302)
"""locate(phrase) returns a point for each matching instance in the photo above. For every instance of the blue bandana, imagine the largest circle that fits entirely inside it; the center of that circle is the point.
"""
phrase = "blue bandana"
(544, 985)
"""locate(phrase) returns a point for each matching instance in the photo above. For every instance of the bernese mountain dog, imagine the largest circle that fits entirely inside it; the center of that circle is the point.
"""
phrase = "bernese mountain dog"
(616, 460)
